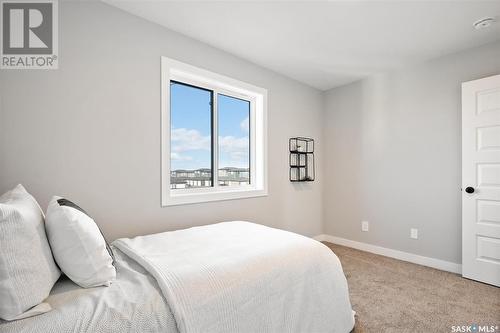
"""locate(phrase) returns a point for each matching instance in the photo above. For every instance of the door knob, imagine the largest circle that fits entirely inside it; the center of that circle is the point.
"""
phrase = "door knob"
(469, 189)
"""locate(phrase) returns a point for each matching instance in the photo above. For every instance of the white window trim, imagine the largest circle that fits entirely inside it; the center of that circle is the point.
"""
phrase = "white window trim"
(179, 71)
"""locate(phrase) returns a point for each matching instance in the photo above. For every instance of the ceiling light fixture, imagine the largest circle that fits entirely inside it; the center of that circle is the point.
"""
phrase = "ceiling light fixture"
(483, 23)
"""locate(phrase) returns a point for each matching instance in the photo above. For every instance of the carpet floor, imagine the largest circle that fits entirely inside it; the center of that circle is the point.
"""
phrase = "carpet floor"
(390, 295)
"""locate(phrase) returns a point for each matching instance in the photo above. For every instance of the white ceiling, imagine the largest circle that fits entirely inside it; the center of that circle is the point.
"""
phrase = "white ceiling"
(327, 44)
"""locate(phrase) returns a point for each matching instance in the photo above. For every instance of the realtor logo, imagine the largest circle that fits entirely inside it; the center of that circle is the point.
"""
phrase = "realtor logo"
(29, 34)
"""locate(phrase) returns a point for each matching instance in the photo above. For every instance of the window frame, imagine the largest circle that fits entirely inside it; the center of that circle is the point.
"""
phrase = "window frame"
(212, 121)
(173, 70)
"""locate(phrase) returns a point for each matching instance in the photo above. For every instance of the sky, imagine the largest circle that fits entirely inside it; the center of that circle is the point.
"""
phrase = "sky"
(191, 129)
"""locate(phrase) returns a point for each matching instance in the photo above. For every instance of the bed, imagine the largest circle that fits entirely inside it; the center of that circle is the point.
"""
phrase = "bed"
(225, 277)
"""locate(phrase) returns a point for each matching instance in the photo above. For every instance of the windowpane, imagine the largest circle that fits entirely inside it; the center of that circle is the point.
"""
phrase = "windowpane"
(191, 136)
(234, 141)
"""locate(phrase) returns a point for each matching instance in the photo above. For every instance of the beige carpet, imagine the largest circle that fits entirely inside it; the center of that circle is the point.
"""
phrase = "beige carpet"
(390, 295)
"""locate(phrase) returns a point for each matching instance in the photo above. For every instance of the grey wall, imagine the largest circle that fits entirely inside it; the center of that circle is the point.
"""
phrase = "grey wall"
(393, 155)
(91, 130)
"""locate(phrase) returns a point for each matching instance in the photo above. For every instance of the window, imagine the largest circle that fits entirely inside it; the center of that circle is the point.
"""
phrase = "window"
(213, 136)
(234, 141)
(190, 136)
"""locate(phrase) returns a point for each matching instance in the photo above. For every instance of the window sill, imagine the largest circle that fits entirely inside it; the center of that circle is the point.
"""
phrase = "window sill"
(174, 199)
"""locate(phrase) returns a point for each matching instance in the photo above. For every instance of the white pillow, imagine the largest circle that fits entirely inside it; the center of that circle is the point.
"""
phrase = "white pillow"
(78, 245)
(27, 269)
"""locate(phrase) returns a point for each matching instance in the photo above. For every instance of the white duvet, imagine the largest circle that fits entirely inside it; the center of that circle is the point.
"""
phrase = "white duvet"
(244, 277)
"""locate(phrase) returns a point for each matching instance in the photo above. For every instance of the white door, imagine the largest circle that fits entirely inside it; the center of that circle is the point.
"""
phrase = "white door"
(481, 180)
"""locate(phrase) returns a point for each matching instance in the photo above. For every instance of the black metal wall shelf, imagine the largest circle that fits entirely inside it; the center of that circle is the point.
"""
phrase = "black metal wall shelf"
(301, 159)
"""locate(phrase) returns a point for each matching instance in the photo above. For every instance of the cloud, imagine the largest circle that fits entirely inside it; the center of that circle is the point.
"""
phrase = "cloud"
(179, 157)
(229, 144)
(245, 125)
(236, 148)
(184, 139)
(239, 156)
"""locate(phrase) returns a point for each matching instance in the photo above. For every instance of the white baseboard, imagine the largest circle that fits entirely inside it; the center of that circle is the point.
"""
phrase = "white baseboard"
(405, 256)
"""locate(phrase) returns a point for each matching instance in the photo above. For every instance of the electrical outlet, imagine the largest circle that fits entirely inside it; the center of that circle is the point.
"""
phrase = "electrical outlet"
(365, 225)
(414, 233)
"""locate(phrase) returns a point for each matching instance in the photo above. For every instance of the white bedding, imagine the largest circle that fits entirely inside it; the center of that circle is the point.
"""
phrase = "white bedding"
(243, 277)
(133, 303)
(227, 277)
